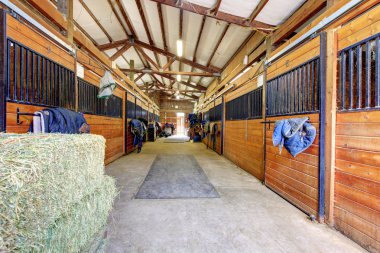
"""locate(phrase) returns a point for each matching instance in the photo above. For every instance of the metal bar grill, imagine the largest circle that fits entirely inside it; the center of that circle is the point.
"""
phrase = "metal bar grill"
(31, 79)
(361, 77)
(89, 103)
(247, 106)
(295, 91)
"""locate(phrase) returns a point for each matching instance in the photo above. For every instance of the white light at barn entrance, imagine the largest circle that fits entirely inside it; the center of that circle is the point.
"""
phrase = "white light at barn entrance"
(179, 48)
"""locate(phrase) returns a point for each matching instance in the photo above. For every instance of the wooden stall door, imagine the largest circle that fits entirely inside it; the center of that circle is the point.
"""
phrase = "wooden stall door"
(357, 142)
(293, 92)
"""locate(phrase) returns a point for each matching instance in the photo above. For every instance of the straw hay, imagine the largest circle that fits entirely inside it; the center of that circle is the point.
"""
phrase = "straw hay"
(54, 194)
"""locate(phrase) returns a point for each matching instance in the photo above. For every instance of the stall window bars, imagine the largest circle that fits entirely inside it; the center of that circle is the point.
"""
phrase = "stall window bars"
(359, 76)
(296, 91)
(89, 103)
(138, 112)
(131, 110)
(247, 106)
(36, 80)
(206, 116)
(156, 118)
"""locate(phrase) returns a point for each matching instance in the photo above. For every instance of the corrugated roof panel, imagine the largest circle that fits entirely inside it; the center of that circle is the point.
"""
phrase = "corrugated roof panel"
(212, 31)
(191, 27)
(134, 16)
(171, 22)
(234, 37)
(153, 20)
(103, 12)
(88, 24)
(276, 12)
(241, 8)
(204, 3)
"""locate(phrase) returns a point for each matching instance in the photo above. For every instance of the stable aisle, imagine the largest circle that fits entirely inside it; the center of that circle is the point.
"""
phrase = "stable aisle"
(247, 217)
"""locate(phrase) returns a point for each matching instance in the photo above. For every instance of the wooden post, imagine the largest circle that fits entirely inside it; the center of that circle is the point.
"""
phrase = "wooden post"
(70, 21)
(3, 69)
(331, 86)
(132, 73)
(269, 45)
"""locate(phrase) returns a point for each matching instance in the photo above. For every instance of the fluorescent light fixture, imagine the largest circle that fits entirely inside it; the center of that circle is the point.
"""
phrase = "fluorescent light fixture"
(179, 48)
(178, 78)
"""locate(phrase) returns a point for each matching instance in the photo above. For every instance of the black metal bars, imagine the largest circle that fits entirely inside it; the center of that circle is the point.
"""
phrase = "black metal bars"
(89, 103)
(359, 71)
(247, 106)
(35, 79)
(294, 92)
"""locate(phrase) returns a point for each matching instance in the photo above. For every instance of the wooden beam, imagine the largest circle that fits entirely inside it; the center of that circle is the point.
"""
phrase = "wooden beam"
(96, 20)
(126, 19)
(215, 49)
(183, 73)
(297, 19)
(70, 21)
(146, 57)
(173, 80)
(162, 27)
(52, 14)
(158, 50)
(214, 11)
(218, 44)
(257, 10)
(139, 77)
(120, 52)
(167, 65)
(197, 44)
(201, 10)
(331, 96)
(118, 17)
(146, 27)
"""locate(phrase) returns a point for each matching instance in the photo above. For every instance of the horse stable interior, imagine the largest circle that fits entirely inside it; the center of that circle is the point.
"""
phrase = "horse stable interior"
(241, 68)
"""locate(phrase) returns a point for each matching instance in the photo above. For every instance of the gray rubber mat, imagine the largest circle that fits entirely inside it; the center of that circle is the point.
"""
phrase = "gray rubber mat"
(174, 177)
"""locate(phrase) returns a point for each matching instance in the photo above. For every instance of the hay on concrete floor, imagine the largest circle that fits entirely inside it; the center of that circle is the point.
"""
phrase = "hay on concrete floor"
(46, 179)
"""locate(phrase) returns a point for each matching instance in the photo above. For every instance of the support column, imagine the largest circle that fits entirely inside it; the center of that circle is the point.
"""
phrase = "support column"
(3, 69)
(331, 88)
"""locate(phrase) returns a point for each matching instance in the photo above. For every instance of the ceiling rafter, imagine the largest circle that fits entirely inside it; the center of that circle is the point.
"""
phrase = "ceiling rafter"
(229, 18)
(216, 48)
(129, 24)
(120, 52)
(146, 27)
(214, 11)
(185, 73)
(158, 50)
(146, 57)
(96, 20)
(194, 86)
(139, 77)
(197, 44)
(257, 10)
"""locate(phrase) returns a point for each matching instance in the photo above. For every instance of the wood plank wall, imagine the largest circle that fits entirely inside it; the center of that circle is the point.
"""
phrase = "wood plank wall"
(357, 161)
(244, 139)
(111, 128)
(243, 145)
(294, 178)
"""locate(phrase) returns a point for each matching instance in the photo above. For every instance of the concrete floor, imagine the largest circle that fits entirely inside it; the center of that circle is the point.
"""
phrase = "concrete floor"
(248, 217)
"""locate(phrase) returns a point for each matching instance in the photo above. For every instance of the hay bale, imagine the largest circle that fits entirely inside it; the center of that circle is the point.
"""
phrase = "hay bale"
(48, 185)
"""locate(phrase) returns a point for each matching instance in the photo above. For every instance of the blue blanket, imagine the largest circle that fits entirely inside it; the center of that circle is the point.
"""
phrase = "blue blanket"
(296, 135)
(60, 120)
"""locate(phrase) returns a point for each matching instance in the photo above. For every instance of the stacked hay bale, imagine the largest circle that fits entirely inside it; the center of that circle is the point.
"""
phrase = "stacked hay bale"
(54, 194)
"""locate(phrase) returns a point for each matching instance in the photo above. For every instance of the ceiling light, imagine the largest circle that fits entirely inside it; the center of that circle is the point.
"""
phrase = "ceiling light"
(179, 48)
(178, 78)
(177, 97)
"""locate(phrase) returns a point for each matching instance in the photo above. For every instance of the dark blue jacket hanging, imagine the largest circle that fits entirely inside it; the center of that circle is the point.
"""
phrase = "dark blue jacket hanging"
(60, 120)
(295, 134)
